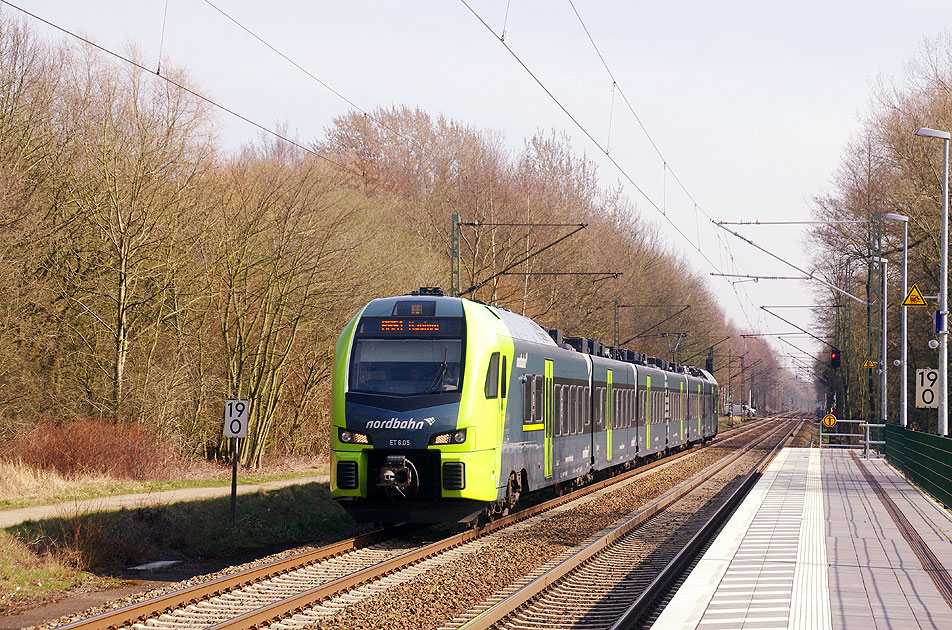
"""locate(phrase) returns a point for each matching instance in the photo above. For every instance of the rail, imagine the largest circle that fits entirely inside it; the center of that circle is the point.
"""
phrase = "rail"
(515, 601)
(207, 590)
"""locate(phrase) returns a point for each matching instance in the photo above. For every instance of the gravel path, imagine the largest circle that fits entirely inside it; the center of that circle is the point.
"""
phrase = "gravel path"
(9, 518)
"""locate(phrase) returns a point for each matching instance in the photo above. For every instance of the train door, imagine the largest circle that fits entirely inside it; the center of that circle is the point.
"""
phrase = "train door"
(548, 415)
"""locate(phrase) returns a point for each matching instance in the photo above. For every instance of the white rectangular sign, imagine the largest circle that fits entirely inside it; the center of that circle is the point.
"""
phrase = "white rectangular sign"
(236, 418)
(927, 388)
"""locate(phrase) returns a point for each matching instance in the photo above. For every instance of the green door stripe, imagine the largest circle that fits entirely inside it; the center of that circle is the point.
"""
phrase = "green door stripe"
(609, 414)
(648, 413)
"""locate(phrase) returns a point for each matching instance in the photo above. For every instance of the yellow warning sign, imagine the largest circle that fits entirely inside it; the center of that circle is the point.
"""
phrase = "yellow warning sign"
(829, 420)
(914, 297)
(869, 364)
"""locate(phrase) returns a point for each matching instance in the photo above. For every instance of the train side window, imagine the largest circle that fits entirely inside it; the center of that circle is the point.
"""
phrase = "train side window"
(620, 409)
(563, 411)
(504, 381)
(528, 400)
(630, 412)
(634, 407)
(577, 407)
(623, 418)
(492, 376)
(573, 409)
(614, 405)
(539, 415)
(570, 409)
(631, 407)
(600, 418)
(587, 406)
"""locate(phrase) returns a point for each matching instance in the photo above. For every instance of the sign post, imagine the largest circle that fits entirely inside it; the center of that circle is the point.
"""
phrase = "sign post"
(236, 427)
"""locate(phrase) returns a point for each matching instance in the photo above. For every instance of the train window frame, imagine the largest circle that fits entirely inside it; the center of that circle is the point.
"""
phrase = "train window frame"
(631, 407)
(587, 407)
(575, 410)
(491, 388)
(630, 410)
(563, 411)
(539, 397)
(504, 379)
(619, 408)
(528, 406)
(603, 408)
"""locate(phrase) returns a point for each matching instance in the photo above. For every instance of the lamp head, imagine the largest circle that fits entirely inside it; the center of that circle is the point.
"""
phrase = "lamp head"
(933, 133)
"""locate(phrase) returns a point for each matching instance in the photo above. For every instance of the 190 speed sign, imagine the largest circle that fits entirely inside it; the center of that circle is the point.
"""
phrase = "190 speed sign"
(236, 418)
(927, 388)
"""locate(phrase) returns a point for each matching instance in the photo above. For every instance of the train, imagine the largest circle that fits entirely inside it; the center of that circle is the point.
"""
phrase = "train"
(446, 409)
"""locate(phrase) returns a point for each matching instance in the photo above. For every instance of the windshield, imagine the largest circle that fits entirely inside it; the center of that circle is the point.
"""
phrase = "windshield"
(406, 366)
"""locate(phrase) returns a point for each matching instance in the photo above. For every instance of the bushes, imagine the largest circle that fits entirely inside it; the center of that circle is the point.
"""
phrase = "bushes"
(83, 447)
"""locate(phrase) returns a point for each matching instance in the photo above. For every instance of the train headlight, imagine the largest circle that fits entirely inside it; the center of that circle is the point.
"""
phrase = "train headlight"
(352, 437)
(449, 437)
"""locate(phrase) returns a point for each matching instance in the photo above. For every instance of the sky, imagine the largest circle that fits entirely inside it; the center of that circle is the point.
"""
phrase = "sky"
(749, 105)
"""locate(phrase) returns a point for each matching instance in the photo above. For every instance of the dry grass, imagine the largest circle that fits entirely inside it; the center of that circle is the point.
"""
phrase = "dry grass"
(21, 482)
(28, 579)
(83, 459)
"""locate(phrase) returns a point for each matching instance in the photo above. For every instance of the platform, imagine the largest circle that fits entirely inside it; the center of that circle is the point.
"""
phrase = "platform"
(823, 541)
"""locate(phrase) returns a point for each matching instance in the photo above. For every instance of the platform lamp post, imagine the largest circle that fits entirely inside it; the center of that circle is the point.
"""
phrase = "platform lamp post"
(903, 356)
(882, 356)
(943, 318)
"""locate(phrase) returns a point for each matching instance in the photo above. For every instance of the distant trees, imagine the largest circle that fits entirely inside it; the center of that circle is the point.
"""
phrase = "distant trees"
(145, 275)
(887, 169)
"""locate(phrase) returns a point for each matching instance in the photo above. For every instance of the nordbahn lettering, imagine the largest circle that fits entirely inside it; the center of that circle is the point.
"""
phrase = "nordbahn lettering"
(397, 423)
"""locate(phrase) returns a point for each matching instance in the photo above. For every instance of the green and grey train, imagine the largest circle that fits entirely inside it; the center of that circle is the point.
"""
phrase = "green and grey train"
(445, 408)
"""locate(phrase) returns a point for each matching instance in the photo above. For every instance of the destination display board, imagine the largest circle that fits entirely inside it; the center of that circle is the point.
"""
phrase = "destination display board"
(411, 327)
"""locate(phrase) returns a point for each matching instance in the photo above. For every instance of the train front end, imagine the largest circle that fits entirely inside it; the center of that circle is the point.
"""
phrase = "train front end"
(401, 450)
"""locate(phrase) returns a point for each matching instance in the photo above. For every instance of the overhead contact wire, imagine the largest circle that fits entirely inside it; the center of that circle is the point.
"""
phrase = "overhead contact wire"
(185, 88)
(586, 132)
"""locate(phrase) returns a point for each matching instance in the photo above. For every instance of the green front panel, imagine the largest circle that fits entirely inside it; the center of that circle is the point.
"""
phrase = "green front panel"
(609, 415)
(484, 417)
(548, 414)
(926, 459)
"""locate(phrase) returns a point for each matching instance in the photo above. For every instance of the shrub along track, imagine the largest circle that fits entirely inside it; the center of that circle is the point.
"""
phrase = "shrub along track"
(273, 591)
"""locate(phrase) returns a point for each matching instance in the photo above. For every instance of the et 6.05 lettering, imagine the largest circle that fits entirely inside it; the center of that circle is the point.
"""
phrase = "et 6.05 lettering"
(399, 442)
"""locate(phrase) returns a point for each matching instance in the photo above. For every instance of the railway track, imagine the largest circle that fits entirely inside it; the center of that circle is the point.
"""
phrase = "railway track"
(294, 586)
(616, 578)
